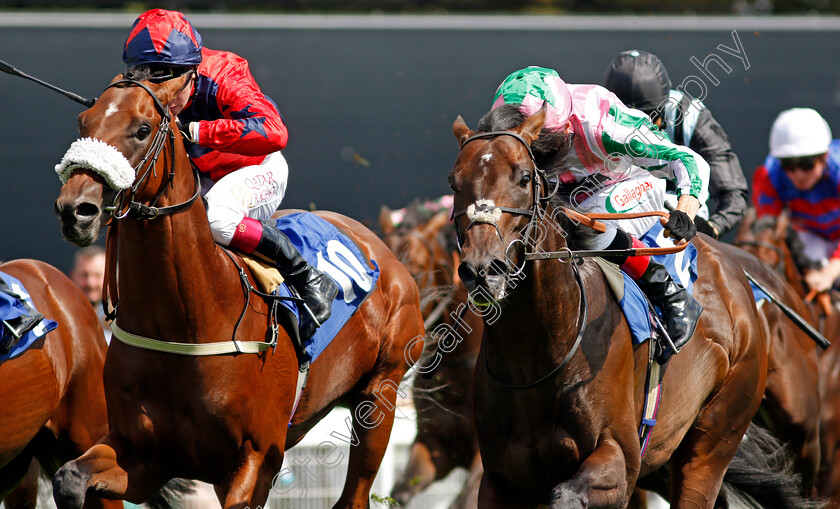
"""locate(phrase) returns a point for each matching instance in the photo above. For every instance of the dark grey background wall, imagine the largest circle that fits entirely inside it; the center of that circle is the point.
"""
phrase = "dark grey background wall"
(370, 108)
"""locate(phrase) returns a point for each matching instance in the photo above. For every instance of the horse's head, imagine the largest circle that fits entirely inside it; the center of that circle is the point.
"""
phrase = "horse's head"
(764, 237)
(419, 249)
(122, 136)
(496, 185)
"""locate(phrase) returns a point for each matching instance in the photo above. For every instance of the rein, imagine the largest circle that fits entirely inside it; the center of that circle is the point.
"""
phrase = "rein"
(780, 265)
(582, 317)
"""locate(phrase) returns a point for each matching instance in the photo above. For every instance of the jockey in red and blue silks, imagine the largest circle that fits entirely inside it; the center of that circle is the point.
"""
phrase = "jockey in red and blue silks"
(802, 175)
(236, 134)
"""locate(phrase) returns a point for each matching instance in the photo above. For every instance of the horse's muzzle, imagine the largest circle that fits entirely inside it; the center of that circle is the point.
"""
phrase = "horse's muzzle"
(486, 281)
(79, 220)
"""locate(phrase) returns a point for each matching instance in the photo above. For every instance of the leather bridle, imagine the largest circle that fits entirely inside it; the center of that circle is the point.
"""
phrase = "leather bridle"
(124, 202)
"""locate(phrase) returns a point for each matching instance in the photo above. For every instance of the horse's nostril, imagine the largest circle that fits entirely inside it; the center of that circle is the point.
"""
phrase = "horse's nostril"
(497, 268)
(87, 210)
(467, 272)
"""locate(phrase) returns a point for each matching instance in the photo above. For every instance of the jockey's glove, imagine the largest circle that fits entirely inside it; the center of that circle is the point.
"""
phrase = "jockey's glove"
(680, 226)
(185, 132)
(707, 227)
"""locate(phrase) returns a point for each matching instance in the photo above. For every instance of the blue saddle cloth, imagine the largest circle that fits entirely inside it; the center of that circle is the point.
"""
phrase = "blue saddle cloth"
(683, 268)
(336, 255)
(11, 308)
(758, 294)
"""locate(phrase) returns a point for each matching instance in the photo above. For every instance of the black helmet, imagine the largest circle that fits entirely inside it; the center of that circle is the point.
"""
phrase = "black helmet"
(639, 79)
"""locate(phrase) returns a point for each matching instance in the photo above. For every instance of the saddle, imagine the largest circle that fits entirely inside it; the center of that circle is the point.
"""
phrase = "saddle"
(268, 279)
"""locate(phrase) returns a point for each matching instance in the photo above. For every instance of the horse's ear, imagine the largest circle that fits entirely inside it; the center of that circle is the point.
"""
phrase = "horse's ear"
(385, 222)
(433, 225)
(532, 126)
(745, 228)
(462, 132)
(167, 90)
(782, 223)
(118, 77)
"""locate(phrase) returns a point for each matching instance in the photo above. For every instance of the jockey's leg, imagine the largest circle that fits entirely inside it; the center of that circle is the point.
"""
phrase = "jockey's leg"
(642, 192)
(238, 202)
(680, 311)
(315, 288)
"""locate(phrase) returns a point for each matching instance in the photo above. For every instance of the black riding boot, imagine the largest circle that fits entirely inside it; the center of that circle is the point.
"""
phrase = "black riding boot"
(16, 328)
(315, 288)
(680, 311)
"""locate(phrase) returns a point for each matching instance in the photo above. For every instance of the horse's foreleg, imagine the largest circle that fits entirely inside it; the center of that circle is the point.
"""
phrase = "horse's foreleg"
(495, 492)
(419, 473)
(468, 498)
(19, 478)
(601, 481)
(96, 470)
(249, 485)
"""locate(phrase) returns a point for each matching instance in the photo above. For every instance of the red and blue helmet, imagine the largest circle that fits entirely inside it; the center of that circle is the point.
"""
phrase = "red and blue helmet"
(166, 37)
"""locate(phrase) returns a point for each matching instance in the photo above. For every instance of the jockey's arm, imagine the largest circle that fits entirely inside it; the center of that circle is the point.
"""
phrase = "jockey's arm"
(688, 204)
(251, 124)
(766, 198)
(727, 183)
(822, 279)
(636, 138)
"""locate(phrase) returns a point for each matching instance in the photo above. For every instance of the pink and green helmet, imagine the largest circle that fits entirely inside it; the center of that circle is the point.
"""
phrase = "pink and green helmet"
(532, 86)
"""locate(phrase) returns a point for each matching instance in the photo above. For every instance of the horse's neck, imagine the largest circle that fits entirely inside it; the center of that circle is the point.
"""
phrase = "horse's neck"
(792, 273)
(544, 304)
(169, 267)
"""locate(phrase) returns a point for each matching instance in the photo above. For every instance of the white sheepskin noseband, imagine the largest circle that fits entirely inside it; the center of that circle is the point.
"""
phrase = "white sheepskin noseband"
(484, 211)
(100, 157)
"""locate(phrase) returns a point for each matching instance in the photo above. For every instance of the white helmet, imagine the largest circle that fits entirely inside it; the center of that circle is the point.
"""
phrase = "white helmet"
(799, 132)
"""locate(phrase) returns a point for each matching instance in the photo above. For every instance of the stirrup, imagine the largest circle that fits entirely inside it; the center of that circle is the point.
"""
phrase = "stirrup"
(18, 331)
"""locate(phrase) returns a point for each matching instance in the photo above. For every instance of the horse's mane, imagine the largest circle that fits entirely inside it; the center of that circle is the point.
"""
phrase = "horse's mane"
(550, 149)
(551, 152)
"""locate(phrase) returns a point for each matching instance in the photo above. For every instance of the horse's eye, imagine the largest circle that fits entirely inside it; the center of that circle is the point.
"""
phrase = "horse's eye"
(143, 132)
(525, 179)
(452, 184)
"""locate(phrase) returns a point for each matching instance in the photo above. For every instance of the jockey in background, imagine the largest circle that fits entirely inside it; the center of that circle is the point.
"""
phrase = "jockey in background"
(640, 80)
(802, 175)
(235, 135)
(617, 163)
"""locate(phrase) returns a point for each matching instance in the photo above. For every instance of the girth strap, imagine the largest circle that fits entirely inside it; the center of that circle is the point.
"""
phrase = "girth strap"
(194, 349)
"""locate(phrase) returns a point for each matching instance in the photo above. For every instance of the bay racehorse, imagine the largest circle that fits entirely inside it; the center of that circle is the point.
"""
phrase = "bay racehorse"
(558, 386)
(224, 419)
(442, 389)
(53, 400)
(767, 238)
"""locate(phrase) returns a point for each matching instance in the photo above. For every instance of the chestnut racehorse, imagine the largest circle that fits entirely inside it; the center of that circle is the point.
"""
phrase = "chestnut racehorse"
(767, 238)
(224, 419)
(558, 386)
(442, 396)
(53, 402)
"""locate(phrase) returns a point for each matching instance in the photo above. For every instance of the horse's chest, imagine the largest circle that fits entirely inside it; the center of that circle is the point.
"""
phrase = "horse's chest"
(532, 443)
(534, 459)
